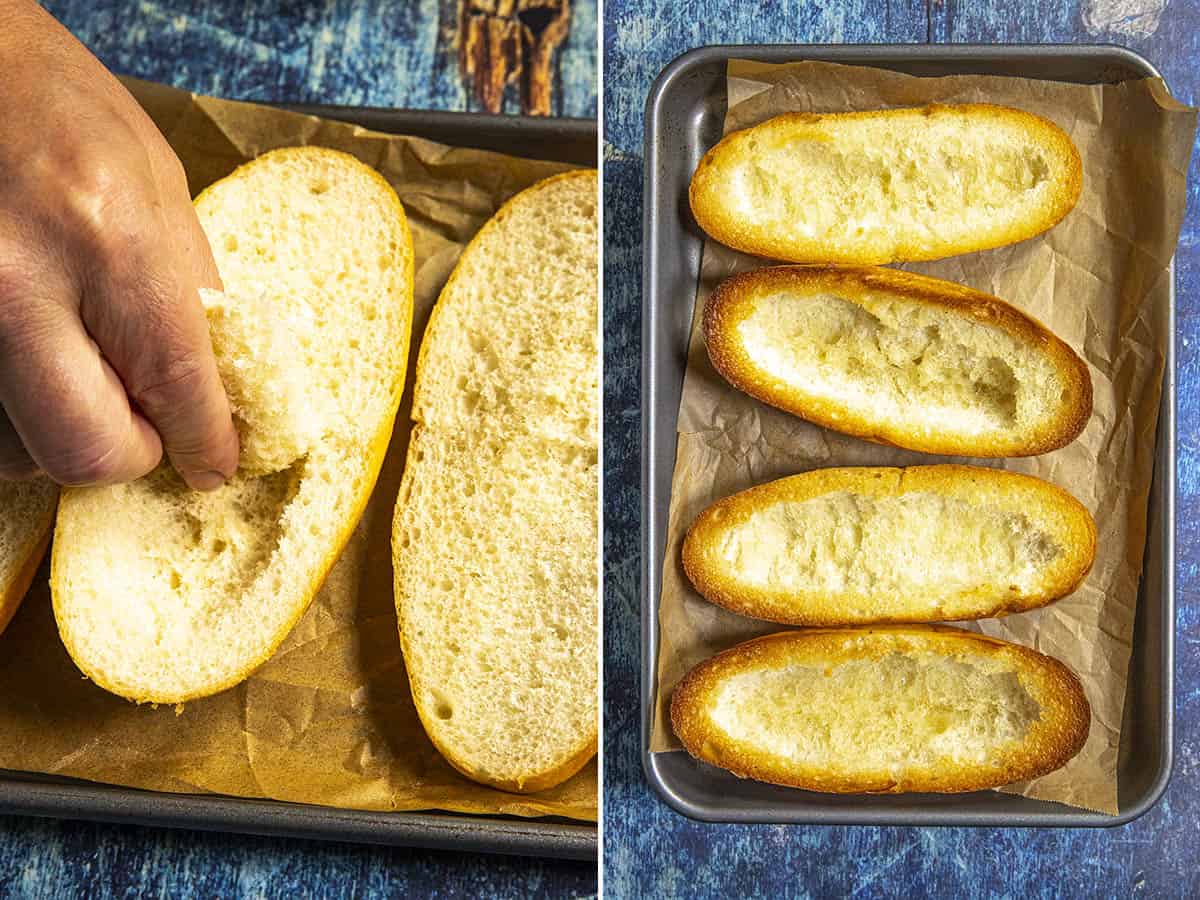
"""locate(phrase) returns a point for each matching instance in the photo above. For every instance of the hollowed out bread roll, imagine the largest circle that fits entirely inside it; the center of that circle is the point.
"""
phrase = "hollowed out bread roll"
(25, 526)
(164, 594)
(866, 545)
(898, 358)
(495, 539)
(278, 409)
(882, 710)
(876, 187)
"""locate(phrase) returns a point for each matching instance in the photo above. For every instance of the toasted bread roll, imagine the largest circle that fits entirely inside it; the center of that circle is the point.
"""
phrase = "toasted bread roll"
(888, 185)
(868, 545)
(882, 710)
(898, 358)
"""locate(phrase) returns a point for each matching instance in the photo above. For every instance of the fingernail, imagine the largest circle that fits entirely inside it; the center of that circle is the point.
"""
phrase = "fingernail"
(205, 481)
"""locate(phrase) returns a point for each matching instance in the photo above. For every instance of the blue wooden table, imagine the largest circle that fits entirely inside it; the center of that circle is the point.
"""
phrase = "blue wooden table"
(388, 53)
(652, 851)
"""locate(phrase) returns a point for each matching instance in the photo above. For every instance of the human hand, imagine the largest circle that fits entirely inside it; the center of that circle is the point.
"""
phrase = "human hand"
(105, 359)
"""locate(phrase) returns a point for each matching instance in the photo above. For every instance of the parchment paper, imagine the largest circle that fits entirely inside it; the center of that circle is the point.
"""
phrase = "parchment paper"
(329, 719)
(1098, 280)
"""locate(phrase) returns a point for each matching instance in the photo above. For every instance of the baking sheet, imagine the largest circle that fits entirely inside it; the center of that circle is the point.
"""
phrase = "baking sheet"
(329, 719)
(728, 441)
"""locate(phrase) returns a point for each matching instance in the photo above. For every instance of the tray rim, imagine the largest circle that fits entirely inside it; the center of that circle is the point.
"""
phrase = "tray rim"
(495, 123)
(118, 804)
(650, 565)
(549, 837)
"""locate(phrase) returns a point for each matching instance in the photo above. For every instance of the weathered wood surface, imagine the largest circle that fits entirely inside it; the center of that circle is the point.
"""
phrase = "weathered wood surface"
(511, 42)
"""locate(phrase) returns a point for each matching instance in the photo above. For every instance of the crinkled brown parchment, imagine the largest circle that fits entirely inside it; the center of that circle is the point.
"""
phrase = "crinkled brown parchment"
(1098, 279)
(329, 719)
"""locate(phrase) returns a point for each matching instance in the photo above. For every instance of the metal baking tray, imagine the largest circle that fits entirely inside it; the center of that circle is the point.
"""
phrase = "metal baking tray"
(684, 116)
(567, 140)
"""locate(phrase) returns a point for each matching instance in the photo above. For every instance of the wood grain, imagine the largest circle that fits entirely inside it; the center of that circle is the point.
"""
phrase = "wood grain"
(507, 42)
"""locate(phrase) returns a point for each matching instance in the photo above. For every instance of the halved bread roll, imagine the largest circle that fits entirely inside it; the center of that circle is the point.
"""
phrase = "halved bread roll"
(882, 710)
(164, 594)
(495, 541)
(898, 358)
(845, 546)
(883, 186)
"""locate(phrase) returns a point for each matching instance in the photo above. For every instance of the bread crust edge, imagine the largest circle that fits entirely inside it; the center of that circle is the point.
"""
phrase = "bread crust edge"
(717, 221)
(13, 594)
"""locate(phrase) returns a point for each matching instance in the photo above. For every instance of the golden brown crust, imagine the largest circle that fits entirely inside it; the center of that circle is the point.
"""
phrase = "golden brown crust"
(1051, 741)
(374, 454)
(533, 781)
(1059, 512)
(735, 298)
(707, 192)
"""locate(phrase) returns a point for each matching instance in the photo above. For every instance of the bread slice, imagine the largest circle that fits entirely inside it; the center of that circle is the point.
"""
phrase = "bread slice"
(898, 358)
(882, 710)
(495, 539)
(25, 530)
(866, 545)
(875, 187)
(163, 594)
